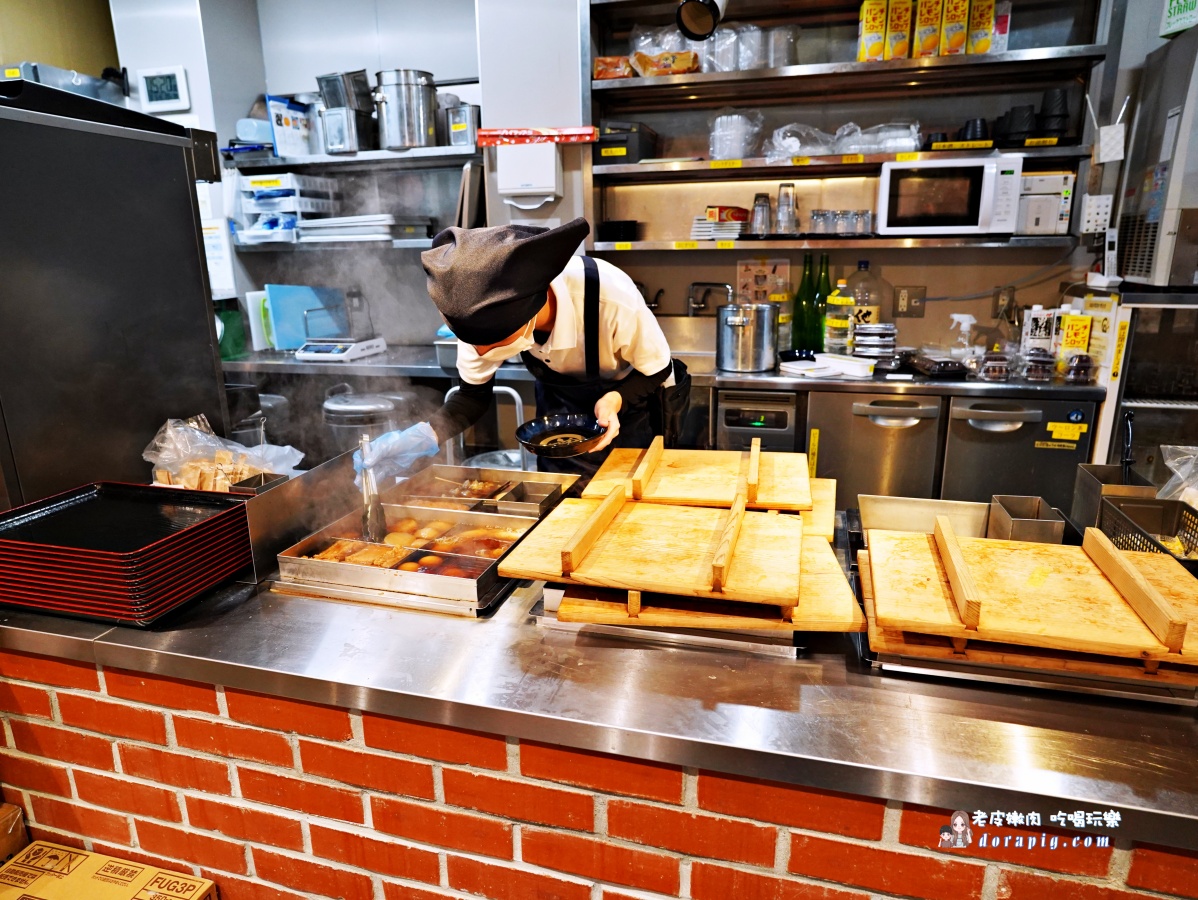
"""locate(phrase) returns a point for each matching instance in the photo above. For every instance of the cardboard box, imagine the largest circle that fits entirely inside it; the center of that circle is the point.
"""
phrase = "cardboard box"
(45, 871)
(898, 30)
(871, 31)
(954, 27)
(1071, 336)
(13, 837)
(928, 15)
(981, 26)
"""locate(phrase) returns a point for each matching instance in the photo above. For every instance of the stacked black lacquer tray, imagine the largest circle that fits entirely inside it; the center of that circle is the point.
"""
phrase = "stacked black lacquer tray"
(121, 553)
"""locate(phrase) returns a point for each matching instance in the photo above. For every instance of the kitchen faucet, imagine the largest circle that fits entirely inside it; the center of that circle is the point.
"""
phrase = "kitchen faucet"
(697, 294)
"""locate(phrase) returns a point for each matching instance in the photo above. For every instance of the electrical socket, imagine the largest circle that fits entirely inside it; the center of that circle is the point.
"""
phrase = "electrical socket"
(1004, 303)
(1095, 216)
(909, 301)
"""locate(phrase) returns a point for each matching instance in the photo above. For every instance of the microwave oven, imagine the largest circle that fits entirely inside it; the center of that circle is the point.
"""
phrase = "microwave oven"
(950, 196)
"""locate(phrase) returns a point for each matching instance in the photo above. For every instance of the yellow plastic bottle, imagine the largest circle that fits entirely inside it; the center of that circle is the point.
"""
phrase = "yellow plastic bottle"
(898, 30)
(954, 27)
(928, 14)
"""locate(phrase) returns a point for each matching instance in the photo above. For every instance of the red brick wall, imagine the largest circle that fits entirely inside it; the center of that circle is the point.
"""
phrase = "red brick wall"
(277, 800)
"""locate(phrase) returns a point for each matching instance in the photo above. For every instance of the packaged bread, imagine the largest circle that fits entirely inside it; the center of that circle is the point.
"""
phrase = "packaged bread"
(672, 63)
(613, 67)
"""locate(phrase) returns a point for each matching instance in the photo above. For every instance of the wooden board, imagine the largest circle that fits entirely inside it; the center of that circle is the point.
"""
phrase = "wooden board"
(1177, 586)
(1041, 595)
(821, 518)
(939, 647)
(708, 478)
(911, 588)
(826, 603)
(668, 550)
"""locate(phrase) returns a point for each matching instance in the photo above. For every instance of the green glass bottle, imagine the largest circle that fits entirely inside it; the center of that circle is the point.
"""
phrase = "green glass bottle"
(805, 307)
(823, 288)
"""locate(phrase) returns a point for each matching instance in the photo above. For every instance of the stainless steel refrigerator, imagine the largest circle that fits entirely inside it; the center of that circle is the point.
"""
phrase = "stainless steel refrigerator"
(106, 321)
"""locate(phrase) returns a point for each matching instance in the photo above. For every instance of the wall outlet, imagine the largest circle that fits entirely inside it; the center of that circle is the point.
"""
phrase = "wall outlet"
(1096, 213)
(1003, 304)
(908, 301)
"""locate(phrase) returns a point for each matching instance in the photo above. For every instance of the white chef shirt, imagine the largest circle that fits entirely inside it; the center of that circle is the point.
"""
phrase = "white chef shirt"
(629, 335)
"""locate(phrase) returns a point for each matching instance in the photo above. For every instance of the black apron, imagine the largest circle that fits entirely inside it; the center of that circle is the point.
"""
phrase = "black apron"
(557, 393)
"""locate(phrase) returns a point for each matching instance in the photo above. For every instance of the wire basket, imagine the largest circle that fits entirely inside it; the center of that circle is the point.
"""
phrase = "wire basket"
(1131, 522)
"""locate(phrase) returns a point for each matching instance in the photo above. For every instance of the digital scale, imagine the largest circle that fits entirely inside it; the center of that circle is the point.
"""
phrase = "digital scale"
(339, 349)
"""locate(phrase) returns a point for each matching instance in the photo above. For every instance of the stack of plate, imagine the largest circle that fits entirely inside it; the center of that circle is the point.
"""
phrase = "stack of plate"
(121, 552)
(875, 341)
(348, 228)
(702, 230)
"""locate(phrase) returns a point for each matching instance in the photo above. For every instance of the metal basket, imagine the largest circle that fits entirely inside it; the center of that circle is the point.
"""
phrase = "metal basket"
(1130, 523)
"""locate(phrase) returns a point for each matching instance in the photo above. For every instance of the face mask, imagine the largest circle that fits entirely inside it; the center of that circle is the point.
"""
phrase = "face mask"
(515, 348)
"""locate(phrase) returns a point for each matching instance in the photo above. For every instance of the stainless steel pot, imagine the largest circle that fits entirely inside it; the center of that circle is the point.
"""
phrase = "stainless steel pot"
(746, 337)
(349, 416)
(406, 102)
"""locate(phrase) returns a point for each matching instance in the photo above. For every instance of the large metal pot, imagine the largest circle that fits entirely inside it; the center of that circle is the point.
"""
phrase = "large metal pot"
(406, 102)
(746, 337)
(349, 416)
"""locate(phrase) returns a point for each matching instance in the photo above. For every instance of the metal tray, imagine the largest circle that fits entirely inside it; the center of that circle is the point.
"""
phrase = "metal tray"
(533, 494)
(296, 568)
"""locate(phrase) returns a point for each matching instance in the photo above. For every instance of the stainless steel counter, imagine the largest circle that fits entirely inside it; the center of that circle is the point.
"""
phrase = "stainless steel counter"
(820, 721)
(421, 362)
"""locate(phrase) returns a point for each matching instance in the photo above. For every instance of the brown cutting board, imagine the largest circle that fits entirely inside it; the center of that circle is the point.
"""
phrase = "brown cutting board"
(1177, 586)
(668, 550)
(821, 518)
(1040, 595)
(709, 478)
(826, 603)
(911, 589)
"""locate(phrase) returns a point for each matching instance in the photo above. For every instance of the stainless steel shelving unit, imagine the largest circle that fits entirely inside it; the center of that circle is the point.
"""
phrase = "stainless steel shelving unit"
(1065, 242)
(375, 160)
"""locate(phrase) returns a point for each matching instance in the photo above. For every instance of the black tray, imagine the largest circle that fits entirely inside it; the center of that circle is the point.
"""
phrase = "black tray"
(112, 521)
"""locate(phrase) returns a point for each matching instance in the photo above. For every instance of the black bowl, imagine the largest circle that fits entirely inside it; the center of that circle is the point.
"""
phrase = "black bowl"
(566, 434)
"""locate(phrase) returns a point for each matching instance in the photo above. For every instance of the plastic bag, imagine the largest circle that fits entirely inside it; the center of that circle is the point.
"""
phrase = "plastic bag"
(750, 48)
(797, 140)
(723, 57)
(192, 457)
(644, 40)
(734, 133)
(1183, 485)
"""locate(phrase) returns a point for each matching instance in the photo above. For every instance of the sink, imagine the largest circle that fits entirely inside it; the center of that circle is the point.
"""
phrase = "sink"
(689, 336)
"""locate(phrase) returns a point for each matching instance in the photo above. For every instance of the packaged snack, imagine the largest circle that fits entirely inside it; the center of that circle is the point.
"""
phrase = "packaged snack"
(1002, 26)
(954, 27)
(871, 31)
(981, 26)
(613, 67)
(928, 14)
(898, 30)
(669, 63)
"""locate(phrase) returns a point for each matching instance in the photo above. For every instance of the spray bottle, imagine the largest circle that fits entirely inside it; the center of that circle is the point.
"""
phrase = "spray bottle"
(963, 346)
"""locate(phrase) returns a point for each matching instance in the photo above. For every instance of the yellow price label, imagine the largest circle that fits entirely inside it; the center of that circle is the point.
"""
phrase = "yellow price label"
(906, 157)
(963, 145)
(266, 182)
(812, 452)
(725, 245)
(726, 163)
(614, 151)
(623, 245)
(12, 73)
(852, 158)
(459, 126)
(1120, 346)
(800, 160)
(686, 245)
(1040, 142)
(1054, 445)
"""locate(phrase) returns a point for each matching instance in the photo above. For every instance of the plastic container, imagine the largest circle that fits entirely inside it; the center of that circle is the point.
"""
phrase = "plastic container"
(1081, 370)
(1039, 366)
(995, 367)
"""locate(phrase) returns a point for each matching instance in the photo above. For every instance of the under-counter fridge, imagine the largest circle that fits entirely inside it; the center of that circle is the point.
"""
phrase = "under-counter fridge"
(1029, 447)
(875, 443)
(108, 325)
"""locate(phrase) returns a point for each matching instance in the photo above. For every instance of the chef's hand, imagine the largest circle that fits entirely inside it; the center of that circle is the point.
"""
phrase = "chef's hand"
(394, 452)
(607, 412)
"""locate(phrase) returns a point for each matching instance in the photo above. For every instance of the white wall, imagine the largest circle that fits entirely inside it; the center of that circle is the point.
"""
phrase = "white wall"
(305, 38)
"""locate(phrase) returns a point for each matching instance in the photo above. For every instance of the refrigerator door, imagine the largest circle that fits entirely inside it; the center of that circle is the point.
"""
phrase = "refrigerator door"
(1024, 447)
(875, 443)
(109, 328)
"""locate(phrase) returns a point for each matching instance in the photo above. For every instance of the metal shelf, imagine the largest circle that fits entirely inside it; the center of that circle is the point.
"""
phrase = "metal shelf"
(416, 158)
(1064, 242)
(991, 73)
(810, 166)
(1161, 404)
